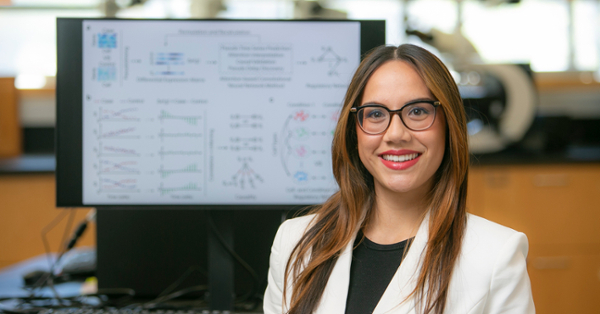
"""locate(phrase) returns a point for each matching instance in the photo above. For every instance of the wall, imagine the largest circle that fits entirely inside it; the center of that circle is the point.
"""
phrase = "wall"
(27, 205)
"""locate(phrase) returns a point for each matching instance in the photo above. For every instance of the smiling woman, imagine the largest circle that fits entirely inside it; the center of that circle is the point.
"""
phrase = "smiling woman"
(396, 238)
(401, 160)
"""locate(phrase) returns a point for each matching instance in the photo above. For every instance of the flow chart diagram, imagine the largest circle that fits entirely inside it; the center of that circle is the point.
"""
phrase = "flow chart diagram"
(195, 112)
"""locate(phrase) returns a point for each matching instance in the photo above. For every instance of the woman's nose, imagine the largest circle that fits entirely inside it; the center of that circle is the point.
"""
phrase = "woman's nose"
(397, 131)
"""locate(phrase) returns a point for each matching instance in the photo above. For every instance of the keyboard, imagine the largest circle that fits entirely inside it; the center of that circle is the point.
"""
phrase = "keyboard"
(133, 311)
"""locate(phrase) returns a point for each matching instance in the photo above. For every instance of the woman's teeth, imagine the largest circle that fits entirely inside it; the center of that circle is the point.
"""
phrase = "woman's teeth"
(400, 158)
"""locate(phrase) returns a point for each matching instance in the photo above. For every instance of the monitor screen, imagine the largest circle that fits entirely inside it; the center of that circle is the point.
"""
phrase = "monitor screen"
(202, 112)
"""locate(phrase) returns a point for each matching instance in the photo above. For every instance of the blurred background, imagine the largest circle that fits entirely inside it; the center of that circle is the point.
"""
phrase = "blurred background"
(528, 71)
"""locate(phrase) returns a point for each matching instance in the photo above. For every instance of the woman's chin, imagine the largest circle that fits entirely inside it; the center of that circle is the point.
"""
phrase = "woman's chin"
(399, 186)
(405, 186)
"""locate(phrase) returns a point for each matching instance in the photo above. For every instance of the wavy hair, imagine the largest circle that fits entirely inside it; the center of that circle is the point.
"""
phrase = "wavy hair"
(340, 217)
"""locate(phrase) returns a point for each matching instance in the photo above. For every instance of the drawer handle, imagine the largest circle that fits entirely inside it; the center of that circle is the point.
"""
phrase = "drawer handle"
(551, 262)
(547, 180)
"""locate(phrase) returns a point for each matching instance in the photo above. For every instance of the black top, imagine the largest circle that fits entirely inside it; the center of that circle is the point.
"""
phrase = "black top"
(372, 269)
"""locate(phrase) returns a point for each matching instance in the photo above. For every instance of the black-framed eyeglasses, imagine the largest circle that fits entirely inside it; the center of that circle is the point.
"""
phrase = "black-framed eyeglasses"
(416, 115)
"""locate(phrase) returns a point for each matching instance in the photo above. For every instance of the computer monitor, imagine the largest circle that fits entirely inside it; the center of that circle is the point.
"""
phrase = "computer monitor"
(226, 114)
(163, 116)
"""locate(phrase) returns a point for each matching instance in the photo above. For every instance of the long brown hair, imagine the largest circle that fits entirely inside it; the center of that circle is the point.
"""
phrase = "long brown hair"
(340, 217)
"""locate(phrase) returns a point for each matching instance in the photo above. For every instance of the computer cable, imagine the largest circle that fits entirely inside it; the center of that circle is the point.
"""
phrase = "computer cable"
(47, 229)
(51, 277)
(167, 294)
(68, 228)
(48, 279)
(183, 277)
(252, 293)
(174, 295)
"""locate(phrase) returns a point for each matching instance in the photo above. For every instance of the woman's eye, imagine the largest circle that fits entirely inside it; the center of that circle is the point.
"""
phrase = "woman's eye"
(418, 112)
(375, 114)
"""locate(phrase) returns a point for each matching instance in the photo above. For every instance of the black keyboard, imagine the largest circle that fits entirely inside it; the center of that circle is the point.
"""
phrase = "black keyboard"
(132, 311)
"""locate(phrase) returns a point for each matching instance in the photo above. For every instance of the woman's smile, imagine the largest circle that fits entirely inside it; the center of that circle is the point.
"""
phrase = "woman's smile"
(400, 159)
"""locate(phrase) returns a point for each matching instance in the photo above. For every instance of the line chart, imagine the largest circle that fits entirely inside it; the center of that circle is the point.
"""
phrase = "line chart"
(190, 187)
(124, 167)
(124, 133)
(192, 120)
(193, 168)
(120, 186)
(123, 115)
(164, 152)
(164, 134)
(116, 151)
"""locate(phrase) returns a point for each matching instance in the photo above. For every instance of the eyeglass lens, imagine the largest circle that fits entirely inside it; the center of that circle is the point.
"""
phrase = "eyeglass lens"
(417, 116)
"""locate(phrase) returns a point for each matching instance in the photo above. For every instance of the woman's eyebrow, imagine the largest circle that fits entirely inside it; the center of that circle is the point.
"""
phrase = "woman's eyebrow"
(373, 103)
(420, 99)
(408, 102)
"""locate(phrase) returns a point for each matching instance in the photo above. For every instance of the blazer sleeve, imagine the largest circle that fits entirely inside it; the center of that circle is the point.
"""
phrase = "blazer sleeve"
(272, 302)
(510, 289)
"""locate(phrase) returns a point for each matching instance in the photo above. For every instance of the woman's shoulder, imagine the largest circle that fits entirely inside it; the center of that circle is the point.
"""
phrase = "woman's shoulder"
(488, 246)
(488, 230)
(297, 224)
(291, 231)
(492, 264)
(488, 239)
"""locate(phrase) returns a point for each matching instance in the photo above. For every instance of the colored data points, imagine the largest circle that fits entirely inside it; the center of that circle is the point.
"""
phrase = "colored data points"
(301, 115)
(107, 40)
(301, 151)
(301, 176)
(301, 133)
(107, 74)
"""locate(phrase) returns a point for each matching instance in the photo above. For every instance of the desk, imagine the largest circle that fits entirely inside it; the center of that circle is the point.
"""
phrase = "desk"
(11, 279)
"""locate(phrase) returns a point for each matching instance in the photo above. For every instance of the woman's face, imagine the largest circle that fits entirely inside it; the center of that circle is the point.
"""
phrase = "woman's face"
(393, 85)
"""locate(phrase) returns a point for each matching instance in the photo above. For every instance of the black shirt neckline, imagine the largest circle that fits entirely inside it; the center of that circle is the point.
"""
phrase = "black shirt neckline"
(380, 247)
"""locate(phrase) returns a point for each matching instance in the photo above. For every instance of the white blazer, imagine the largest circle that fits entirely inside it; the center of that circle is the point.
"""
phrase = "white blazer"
(490, 275)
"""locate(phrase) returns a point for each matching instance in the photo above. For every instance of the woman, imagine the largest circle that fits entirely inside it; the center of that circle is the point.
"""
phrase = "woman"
(400, 158)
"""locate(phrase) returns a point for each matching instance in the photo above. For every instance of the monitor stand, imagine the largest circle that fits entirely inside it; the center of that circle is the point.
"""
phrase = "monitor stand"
(220, 261)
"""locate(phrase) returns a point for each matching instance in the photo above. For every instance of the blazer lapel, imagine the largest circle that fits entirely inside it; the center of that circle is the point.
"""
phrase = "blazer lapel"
(336, 291)
(394, 299)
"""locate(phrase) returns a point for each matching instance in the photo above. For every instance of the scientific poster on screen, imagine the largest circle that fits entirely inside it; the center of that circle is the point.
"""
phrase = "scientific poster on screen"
(212, 112)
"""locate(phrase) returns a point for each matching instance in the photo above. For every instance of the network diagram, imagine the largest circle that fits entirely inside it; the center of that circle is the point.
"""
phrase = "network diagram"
(245, 177)
(330, 58)
(306, 145)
